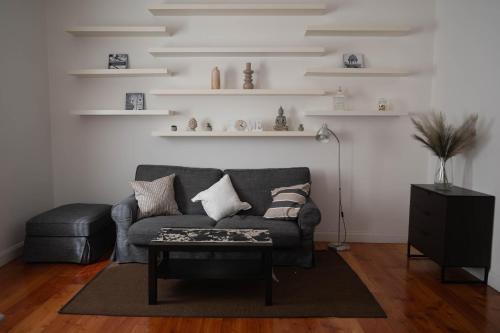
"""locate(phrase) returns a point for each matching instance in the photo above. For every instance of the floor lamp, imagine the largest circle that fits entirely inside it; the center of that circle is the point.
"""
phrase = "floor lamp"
(324, 135)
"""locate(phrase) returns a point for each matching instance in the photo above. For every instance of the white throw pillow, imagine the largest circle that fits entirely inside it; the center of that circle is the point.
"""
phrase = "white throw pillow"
(221, 200)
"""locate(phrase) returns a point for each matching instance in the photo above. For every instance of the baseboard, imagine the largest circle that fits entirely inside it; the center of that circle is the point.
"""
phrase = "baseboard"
(494, 280)
(11, 253)
(362, 237)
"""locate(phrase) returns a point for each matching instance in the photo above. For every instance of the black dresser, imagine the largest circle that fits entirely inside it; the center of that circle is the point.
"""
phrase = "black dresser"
(454, 227)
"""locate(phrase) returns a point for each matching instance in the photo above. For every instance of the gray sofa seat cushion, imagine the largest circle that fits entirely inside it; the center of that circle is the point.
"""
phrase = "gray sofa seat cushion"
(141, 232)
(187, 183)
(254, 185)
(73, 220)
(284, 233)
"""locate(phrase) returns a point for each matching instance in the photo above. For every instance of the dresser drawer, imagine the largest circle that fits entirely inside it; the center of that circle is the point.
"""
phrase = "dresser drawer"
(428, 243)
(427, 221)
(431, 204)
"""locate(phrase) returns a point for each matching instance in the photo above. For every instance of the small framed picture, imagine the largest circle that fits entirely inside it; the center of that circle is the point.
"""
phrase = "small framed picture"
(353, 60)
(134, 101)
(118, 61)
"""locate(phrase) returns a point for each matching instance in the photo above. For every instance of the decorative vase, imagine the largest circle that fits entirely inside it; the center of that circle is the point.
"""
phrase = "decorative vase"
(215, 78)
(443, 179)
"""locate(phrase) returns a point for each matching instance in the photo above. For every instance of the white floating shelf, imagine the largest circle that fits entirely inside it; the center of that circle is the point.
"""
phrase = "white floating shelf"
(122, 112)
(176, 9)
(274, 134)
(120, 72)
(326, 113)
(238, 92)
(338, 30)
(107, 31)
(338, 71)
(237, 51)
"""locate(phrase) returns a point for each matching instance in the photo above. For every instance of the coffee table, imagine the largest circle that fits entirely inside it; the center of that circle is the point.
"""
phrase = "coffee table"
(210, 240)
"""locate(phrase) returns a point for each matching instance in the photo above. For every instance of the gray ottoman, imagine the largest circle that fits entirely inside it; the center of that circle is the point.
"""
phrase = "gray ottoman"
(78, 233)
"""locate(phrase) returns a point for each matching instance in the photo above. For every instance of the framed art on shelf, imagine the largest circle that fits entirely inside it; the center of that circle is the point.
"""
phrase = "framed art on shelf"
(118, 61)
(134, 101)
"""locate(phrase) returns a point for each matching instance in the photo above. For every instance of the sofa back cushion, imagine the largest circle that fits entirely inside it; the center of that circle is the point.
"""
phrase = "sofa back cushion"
(187, 183)
(254, 185)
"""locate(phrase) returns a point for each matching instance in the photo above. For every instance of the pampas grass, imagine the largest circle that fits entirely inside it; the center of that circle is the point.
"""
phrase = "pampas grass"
(442, 138)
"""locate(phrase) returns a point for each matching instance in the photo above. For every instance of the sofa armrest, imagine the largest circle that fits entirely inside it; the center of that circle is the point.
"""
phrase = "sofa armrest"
(124, 213)
(309, 218)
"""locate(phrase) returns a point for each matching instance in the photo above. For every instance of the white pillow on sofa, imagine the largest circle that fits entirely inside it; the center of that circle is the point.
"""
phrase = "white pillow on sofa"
(221, 200)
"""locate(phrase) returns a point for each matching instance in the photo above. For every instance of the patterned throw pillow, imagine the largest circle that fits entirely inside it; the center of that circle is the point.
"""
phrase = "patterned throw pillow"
(156, 198)
(287, 202)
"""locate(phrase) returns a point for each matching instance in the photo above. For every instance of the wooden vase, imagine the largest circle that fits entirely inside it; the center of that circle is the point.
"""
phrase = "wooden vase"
(215, 78)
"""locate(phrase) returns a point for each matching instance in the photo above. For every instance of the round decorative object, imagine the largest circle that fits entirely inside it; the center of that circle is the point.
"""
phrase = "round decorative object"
(240, 125)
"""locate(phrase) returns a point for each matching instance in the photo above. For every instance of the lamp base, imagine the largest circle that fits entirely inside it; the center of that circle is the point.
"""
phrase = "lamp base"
(339, 246)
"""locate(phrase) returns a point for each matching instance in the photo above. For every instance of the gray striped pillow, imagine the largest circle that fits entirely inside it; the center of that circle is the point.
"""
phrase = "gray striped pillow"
(287, 202)
(156, 198)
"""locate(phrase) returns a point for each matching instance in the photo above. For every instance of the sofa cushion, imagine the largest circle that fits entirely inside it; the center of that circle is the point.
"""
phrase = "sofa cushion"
(187, 183)
(255, 185)
(155, 198)
(221, 200)
(73, 220)
(143, 231)
(283, 233)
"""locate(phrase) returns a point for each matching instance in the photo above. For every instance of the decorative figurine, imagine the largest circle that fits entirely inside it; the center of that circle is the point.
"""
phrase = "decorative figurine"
(248, 76)
(207, 126)
(382, 104)
(339, 100)
(301, 128)
(215, 78)
(280, 123)
(173, 128)
(192, 124)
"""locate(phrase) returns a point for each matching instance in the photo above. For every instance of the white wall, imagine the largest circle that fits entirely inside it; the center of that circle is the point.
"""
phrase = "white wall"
(467, 80)
(25, 150)
(95, 158)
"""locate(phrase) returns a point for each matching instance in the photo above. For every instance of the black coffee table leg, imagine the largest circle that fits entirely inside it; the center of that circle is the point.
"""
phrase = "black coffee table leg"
(268, 275)
(152, 280)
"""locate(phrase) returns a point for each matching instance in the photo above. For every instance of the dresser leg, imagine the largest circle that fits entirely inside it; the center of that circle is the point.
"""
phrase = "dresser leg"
(486, 273)
(443, 272)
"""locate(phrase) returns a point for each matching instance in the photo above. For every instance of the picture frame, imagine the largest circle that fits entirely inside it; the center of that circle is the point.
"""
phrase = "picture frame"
(353, 60)
(118, 61)
(135, 101)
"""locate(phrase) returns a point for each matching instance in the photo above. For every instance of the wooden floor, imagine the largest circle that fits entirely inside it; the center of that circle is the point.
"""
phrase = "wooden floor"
(411, 295)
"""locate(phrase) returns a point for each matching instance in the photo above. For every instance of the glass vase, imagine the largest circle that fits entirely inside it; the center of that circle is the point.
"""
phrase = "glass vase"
(443, 179)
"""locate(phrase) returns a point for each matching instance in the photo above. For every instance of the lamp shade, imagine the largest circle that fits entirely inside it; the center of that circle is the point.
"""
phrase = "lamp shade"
(324, 134)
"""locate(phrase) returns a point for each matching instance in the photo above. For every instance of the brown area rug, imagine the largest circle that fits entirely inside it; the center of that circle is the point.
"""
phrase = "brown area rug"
(330, 289)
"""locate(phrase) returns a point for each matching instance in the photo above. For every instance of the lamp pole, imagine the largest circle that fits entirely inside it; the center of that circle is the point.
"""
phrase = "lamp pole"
(324, 134)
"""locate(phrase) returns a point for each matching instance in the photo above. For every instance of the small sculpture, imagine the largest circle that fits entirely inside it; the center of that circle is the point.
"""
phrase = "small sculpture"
(215, 78)
(382, 104)
(301, 128)
(280, 123)
(248, 76)
(173, 128)
(207, 126)
(192, 124)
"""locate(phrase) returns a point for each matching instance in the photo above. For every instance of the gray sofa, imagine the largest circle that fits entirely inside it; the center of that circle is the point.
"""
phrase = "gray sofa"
(292, 240)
